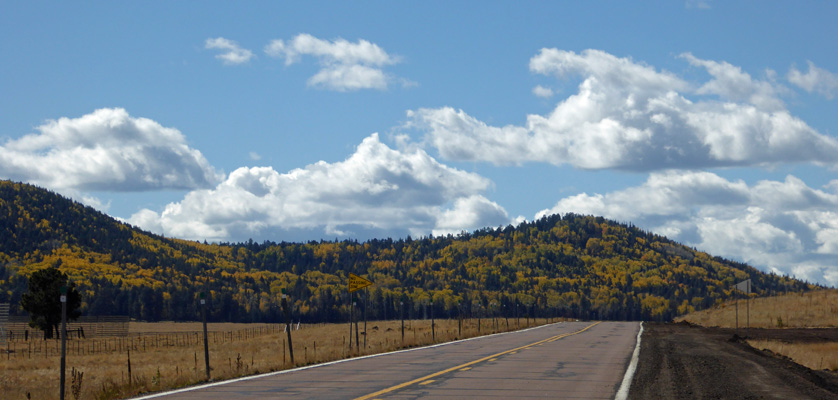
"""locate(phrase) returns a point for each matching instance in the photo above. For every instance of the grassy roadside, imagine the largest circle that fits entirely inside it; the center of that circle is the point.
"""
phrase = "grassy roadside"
(818, 309)
(797, 310)
(817, 356)
(106, 375)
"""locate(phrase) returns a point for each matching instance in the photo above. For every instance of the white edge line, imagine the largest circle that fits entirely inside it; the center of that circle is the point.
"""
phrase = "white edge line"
(622, 394)
(286, 371)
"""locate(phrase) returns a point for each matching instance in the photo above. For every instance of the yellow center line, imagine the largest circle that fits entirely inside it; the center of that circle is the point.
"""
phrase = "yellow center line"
(427, 382)
(470, 363)
(465, 369)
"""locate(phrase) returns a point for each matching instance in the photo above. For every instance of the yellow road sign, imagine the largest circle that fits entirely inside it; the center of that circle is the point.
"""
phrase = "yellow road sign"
(356, 282)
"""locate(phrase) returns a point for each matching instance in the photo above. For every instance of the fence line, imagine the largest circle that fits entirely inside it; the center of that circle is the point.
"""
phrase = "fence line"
(4, 321)
(92, 326)
(18, 346)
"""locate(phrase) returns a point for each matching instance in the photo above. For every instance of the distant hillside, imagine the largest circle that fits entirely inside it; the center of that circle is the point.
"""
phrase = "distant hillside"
(571, 265)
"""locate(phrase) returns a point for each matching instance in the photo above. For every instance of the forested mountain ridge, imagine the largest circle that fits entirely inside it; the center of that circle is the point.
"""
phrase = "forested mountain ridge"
(571, 265)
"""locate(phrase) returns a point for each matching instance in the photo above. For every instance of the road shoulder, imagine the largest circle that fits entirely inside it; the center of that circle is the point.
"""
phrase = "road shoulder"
(686, 361)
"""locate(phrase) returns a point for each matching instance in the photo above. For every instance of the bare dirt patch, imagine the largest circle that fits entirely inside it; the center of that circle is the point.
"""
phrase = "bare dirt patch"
(683, 361)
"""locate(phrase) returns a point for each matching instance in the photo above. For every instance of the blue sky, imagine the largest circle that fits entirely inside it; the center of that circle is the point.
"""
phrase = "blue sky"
(710, 122)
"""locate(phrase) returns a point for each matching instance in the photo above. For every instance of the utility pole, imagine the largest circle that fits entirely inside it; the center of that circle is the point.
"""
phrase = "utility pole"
(401, 308)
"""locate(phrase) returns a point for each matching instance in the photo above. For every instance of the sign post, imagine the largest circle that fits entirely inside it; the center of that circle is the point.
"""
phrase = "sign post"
(357, 283)
(736, 301)
(351, 310)
(288, 324)
(366, 294)
(63, 299)
(206, 343)
(748, 309)
(744, 286)
(459, 320)
(401, 308)
(357, 337)
(433, 332)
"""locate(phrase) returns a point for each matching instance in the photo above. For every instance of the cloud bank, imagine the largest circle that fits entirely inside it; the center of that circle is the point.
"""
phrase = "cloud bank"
(376, 192)
(106, 150)
(787, 227)
(344, 66)
(629, 116)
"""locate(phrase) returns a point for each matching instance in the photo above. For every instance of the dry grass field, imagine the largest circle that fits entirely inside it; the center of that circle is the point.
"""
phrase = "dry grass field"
(817, 309)
(177, 361)
(797, 310)
(812, 355)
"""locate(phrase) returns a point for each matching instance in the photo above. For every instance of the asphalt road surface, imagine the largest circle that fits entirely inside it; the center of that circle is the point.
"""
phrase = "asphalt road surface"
(569, 360)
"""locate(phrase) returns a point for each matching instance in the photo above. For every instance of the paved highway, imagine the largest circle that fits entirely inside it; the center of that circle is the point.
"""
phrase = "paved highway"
(570, 360)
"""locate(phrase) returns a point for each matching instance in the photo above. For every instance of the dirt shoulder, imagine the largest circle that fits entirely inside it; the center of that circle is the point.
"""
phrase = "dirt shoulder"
(680, 361)
(796, 335)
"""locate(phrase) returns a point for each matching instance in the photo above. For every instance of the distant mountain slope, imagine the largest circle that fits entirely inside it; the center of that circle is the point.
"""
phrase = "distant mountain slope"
(575, 266)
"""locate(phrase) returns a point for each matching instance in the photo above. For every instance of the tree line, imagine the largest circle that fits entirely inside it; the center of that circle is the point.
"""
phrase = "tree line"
(560, 265)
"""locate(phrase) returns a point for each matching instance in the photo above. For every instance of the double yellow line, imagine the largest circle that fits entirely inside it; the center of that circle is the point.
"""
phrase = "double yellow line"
(470, 363)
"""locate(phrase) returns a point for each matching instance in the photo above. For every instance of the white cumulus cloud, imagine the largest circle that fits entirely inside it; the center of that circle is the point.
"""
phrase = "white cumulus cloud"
(106, 150)
(731, 83)
(815, 80)
(628, 115)
(542, 92)
(376, 192)
(231, 52)
(783, 226)
(470, 213)
(344, 65)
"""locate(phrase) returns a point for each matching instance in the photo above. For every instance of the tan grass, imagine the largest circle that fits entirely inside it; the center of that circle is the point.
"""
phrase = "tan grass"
(179, 364)
(137, 328)
(797, 310)
(812, 355)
